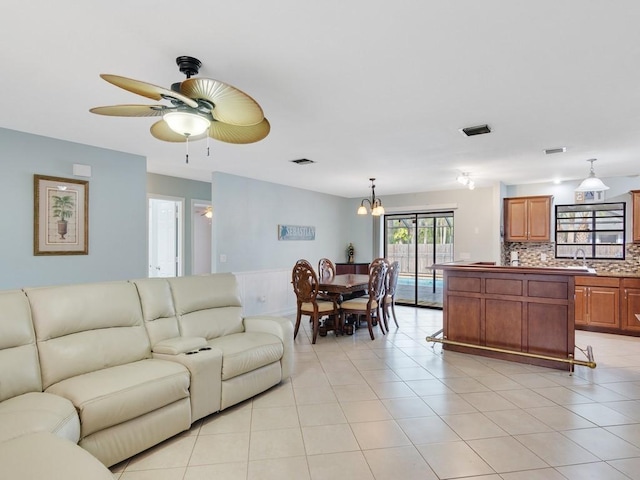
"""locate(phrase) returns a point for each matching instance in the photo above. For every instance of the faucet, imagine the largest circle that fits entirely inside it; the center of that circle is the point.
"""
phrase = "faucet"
(584, 256)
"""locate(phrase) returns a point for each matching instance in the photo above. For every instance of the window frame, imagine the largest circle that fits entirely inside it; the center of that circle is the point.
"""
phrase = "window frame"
(594, 229)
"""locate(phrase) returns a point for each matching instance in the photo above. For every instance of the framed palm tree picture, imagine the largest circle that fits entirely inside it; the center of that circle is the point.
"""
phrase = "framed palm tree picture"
(61, 216)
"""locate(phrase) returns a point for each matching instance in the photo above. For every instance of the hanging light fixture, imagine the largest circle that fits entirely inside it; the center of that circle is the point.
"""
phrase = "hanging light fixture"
(375, 204)
(592, 183)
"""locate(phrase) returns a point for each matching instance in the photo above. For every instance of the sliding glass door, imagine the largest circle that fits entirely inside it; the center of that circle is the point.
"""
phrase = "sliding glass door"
(418, 241)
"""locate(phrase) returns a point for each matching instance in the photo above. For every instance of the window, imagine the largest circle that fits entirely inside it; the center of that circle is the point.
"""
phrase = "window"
(597, 229)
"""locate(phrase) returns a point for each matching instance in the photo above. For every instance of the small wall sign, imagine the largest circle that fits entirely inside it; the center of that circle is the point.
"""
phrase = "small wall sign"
(296, 232)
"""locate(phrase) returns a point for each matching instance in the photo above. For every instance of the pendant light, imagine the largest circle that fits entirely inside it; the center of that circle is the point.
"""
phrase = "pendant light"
(592, 183)
(375, 204)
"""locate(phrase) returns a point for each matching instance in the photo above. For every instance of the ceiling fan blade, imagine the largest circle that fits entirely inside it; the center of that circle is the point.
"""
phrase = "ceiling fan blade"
(232, 106)
(131, 110)
(147, 89)
(239, 134)
(161, 131)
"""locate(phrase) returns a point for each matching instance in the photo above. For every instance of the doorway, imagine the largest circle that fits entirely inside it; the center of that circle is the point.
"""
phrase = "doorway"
(165, 236)
(201, 217)
(418, 241)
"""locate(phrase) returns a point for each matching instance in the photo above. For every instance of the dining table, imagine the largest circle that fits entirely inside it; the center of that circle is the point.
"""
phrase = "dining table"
(343, 286)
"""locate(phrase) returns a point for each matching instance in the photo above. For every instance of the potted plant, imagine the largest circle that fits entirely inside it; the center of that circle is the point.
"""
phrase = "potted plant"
(63, 209)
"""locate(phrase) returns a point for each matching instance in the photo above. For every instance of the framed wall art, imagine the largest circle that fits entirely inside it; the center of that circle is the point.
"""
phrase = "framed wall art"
(60, 216)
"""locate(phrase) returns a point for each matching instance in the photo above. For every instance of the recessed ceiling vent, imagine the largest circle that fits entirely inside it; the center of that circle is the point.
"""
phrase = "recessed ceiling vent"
(477, 130)
(303, 161)
(550, 151)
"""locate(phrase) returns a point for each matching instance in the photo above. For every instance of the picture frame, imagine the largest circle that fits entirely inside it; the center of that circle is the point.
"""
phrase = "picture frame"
(60, 216)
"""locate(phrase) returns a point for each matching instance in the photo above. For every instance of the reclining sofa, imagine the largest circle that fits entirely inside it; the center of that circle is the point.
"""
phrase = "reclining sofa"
(93, 374)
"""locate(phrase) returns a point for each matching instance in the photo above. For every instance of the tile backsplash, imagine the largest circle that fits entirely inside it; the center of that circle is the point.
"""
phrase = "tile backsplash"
(531, 254)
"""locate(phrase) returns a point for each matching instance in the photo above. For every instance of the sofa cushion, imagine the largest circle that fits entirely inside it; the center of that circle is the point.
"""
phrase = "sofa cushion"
(38, 412)
(87, 327)
(157, 309)
(207, 305)
(244, 352)
(114, 395)
(42, 455)
(19, 367)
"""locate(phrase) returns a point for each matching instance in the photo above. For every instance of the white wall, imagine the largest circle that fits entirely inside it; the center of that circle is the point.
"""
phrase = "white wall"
(117, 199)
(476, 220)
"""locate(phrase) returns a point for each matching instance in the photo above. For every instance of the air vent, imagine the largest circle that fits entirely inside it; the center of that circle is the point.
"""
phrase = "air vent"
(303, 161)
(550, 151)
(477, 130)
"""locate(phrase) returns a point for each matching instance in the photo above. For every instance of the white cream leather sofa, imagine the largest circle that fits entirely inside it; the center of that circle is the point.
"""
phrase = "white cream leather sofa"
(119, 367)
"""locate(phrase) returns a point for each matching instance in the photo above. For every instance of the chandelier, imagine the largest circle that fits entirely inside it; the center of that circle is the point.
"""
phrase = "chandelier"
(375, 204)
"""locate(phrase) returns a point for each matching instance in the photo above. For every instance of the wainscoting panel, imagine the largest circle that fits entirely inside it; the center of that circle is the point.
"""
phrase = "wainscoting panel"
(266, 292)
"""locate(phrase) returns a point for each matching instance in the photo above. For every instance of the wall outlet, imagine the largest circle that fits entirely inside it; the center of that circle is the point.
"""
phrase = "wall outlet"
(543, 257)
(223, 258)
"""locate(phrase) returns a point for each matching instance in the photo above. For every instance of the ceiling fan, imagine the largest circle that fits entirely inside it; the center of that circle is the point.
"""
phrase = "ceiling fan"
(199, 108)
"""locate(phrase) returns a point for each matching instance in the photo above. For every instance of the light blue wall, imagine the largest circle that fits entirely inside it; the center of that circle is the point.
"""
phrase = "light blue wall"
(188, 190)
(247, 212)
(117, 199)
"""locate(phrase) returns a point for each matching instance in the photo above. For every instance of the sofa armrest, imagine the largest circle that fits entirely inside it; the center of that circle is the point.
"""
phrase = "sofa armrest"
(282, 328)
(177, 345)
(205, 367)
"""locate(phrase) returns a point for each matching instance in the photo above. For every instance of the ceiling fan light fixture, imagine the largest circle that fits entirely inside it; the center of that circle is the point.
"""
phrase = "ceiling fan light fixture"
(186, 123)
(592, 183)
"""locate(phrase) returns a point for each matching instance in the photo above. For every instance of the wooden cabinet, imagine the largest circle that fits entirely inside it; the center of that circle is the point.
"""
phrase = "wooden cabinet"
(502, 312)
(527, 219)
(630, 305)
(598, 302)
(635, 196)
(358, 268)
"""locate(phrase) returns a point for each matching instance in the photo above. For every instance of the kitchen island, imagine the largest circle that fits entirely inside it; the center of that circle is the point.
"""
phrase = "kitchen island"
(521, 314)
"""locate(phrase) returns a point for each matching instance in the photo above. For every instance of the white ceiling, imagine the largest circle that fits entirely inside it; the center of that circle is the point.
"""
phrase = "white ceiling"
(366, 88)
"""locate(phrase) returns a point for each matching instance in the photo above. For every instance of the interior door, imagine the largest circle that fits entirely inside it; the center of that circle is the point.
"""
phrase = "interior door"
(165, 236)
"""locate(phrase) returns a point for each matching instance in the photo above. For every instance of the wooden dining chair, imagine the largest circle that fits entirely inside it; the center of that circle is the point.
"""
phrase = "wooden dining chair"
(305, 285)
(326, 269)
(368, 306)
(389, 299)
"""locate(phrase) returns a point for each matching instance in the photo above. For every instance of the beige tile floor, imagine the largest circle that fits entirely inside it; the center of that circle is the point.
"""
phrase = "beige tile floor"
(396, 408)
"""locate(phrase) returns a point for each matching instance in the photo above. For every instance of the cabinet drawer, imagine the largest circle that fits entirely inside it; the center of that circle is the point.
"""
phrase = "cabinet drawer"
(631, 282)
(598, 281)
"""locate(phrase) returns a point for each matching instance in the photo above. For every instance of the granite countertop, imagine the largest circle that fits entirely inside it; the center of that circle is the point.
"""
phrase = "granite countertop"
(617, 274)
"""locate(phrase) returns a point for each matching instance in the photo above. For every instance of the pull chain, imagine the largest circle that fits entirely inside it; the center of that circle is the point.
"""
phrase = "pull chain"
(207, 145)
(186, 135)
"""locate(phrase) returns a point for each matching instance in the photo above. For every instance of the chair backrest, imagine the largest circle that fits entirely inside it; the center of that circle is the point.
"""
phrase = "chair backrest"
(326, 269)
(377, 275)
(378, 260)
(304, 281)
(392, 278)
